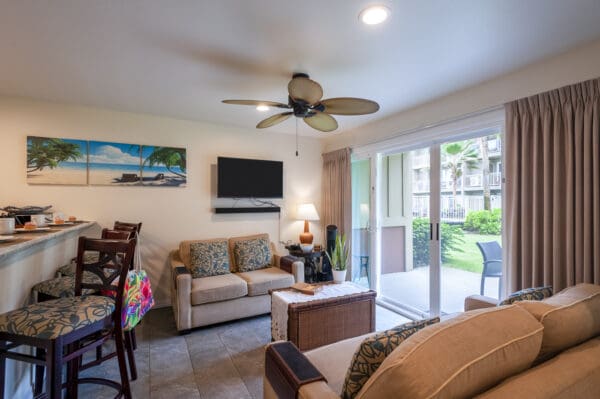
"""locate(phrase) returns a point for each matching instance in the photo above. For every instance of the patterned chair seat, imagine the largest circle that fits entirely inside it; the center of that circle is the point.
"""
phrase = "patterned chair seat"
(51, 319)
(64, 287)
(69, 269)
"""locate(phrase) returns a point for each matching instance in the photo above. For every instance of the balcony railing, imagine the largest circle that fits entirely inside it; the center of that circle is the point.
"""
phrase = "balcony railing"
(453, 209)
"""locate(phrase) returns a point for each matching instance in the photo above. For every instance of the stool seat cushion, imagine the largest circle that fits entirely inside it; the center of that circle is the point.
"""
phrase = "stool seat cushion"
(57, 317)
(63, 287)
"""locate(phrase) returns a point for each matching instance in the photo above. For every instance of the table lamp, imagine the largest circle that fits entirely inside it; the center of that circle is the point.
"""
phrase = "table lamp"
(307, 212)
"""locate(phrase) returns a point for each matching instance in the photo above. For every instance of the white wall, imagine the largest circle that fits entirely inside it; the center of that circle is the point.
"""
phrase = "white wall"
(169, 214)
(574, 66)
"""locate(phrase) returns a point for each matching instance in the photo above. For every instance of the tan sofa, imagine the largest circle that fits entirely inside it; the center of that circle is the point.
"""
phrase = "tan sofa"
(208, 300)
(531, 349)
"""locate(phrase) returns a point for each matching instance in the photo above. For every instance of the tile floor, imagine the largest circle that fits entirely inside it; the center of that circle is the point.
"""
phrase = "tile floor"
(222, 361)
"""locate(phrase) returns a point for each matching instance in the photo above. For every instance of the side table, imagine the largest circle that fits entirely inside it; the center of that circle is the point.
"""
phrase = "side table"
(311, 261)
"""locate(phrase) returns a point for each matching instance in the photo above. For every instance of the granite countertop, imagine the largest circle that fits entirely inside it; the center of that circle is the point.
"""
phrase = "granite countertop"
(25, 241)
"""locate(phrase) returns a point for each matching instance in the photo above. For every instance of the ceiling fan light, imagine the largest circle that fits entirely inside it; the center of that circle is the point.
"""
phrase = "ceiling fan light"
(262, 108)
(374, 15)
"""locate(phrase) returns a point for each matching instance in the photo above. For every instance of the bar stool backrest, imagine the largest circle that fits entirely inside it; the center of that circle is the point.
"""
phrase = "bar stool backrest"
(111, 266)
(108, 234)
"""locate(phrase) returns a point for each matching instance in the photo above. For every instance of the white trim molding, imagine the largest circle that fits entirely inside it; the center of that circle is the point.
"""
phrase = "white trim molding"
(460, 128)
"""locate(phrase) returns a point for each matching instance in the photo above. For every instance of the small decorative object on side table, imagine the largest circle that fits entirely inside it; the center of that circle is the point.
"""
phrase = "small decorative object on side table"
(312, 262)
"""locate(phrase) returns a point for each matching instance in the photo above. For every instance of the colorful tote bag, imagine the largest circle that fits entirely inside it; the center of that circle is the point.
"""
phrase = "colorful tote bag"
(137, 295)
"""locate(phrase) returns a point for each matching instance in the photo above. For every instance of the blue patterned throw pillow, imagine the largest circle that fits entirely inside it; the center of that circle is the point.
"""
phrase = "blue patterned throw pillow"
(528, 294)
(209, 258)
(252, 254)
(373, 351)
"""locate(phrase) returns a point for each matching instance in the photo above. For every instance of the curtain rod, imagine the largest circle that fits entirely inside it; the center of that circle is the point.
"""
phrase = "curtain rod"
(436, 124)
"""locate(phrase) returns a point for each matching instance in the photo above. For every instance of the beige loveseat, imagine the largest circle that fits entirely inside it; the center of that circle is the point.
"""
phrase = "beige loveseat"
(531, 349)
(207, 300)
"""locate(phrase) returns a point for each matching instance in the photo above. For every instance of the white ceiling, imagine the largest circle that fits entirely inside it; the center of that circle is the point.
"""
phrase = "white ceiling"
(180, 58)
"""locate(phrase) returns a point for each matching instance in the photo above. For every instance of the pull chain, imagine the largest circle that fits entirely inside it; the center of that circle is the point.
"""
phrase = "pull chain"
(296, 136)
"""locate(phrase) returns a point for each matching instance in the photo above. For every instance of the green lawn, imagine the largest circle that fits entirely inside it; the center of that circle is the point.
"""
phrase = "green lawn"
(470, 258)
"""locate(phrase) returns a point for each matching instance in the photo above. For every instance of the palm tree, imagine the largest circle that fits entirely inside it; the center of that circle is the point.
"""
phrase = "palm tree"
(49, 153)
(458, 157)
(169, 157)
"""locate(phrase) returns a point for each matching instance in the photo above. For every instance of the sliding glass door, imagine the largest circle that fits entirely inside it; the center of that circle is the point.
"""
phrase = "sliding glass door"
(471, 219)
(425, 219)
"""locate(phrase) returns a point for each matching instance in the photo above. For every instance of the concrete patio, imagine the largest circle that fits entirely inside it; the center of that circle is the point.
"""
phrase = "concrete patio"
(412, 288)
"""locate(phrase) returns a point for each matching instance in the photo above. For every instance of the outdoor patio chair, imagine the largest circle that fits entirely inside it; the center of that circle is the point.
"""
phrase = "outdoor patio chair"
(492, 263)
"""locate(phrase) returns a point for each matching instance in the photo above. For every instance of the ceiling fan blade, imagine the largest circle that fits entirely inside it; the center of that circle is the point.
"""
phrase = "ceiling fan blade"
(305, 89)
(349, 106)
(321, 121)
(256, 103)
(273, 120)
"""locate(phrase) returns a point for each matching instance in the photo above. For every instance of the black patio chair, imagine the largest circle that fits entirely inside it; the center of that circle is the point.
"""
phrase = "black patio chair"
(492, 263)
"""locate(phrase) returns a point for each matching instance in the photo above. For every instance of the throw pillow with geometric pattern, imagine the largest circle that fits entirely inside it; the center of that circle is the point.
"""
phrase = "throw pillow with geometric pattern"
(373, 351)
(252, 254)
(209, 259)
(528, 294)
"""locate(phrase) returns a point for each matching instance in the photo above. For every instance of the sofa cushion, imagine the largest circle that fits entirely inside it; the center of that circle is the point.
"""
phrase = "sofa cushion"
(574, 373)
(528, 294)
(209, 258)
(262, 280)
(569, 318)
(217, 289)
(185, 249)
(251, 253)
(333, 360)
(372, 352)
(460, 357)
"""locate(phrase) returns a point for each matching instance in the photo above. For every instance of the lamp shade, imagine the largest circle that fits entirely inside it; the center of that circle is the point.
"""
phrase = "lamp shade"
(307, 212)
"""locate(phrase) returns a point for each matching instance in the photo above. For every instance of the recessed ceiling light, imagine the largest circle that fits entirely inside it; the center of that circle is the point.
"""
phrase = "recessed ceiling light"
(374, 15)
(262, 108)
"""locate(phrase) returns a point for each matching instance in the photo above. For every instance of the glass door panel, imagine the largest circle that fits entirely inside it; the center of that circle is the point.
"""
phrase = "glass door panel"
(404, 279)
(471, 202)
(361, 224)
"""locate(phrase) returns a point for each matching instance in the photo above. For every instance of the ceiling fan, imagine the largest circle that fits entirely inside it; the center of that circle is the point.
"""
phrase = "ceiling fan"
(304, 101)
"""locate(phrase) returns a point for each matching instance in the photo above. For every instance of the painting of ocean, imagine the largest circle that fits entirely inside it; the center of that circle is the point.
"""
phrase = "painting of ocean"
(56, 161)
(164, 166)
(114, 164)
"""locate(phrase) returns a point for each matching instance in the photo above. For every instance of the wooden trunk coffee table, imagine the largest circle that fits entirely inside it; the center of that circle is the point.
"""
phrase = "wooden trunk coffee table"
(334, 313)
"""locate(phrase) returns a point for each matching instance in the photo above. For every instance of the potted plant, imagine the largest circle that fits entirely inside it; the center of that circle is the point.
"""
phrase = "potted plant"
(339, 258)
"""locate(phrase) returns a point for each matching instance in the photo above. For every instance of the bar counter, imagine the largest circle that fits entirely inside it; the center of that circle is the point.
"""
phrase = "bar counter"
(29, 259)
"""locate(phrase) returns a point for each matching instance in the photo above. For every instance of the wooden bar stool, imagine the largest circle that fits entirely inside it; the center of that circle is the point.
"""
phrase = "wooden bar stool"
(64, 329)
(64, 287)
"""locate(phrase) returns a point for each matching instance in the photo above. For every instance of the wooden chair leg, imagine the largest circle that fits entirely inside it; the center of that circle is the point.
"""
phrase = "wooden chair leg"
(72, 373)
(2, 368)
(54, 371)
(130, 355)
(133, 338)
(38, 383)
(120, 347)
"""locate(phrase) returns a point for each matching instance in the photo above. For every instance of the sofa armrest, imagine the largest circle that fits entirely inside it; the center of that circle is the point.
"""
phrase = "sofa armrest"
(293, 265)
(181, 292)
(287, 370)
(473, 302)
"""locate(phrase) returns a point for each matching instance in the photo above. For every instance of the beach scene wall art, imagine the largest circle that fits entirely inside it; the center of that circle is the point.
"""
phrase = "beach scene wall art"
(164, 166)
(114, 164)
(102, 163)
(56, 161)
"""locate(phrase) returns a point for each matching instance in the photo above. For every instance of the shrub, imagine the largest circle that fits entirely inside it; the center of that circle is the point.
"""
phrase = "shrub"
(484, 222)
(451, 240)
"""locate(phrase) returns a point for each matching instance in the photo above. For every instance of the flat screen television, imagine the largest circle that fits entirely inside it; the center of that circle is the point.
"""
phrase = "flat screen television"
(249, 178)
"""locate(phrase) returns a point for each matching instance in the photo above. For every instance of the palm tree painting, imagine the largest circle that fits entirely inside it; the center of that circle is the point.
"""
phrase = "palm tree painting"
(164, 166)
(56, 161)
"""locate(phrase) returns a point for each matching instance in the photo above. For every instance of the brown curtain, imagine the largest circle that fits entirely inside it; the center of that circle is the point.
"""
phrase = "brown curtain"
(337, 193)
(553, 188)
